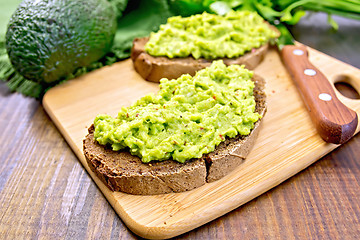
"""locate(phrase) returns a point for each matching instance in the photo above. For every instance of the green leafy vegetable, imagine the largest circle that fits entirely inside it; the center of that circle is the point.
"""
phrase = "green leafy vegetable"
(120, 5)
(286, 12)
(140, 19)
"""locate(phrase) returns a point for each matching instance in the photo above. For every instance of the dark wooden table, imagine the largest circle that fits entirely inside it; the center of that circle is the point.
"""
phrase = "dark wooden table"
(47, 194)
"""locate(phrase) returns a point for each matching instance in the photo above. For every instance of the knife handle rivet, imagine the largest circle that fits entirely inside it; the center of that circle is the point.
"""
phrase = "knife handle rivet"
(310, 72)
(325, 96)
(298, 52)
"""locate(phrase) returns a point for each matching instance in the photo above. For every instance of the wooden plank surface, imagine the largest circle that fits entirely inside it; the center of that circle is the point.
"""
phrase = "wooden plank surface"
(45, 193)
(287, 143)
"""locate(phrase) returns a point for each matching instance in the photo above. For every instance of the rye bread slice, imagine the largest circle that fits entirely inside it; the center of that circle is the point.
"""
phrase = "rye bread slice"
(121, 171)
(233, 151)
(154, 68)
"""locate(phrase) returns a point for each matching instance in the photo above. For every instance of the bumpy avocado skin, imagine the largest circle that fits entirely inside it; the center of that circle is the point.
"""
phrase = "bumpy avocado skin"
(47, 40)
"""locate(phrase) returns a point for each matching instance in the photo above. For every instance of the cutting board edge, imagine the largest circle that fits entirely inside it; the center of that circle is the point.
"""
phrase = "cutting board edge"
(139, 229)
(179, 227)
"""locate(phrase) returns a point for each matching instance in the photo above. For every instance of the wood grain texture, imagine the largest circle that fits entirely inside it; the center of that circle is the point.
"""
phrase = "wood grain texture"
(45, 192)
(287, 143)
(334, 121)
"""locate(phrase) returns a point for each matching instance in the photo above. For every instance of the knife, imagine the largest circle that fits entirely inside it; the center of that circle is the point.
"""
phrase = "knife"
(334, 122)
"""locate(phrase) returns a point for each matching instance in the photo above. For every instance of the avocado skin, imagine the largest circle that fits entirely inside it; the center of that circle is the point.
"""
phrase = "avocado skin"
(47, 40)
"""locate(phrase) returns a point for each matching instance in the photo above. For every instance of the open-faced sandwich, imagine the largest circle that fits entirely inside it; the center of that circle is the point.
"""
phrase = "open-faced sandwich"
(195, 130)
(186, 45)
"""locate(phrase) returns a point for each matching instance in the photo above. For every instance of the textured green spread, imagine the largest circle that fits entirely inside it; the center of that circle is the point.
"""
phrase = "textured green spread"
(187, 118)
(210, 36)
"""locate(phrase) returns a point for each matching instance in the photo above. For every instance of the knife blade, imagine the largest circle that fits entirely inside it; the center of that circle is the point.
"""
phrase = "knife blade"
(334, 121)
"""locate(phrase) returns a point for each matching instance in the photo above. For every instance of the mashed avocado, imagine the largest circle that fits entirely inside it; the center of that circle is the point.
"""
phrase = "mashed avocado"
(210, 36)
(187, 118)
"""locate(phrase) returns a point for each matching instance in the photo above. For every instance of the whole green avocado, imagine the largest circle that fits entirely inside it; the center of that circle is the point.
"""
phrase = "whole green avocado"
(47, 40)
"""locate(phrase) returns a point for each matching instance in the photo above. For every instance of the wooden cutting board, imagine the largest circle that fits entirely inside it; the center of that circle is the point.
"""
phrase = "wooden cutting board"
(287, 142)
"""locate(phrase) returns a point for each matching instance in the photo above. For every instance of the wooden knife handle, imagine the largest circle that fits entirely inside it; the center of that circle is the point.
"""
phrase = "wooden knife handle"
(334, 121)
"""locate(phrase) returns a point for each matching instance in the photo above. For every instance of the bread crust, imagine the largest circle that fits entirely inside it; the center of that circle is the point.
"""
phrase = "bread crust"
(153, 68)
(121, 171)
(232, 152)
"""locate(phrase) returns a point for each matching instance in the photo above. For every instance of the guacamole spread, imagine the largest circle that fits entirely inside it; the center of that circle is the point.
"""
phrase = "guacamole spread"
(187, 118)
(210, 36)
